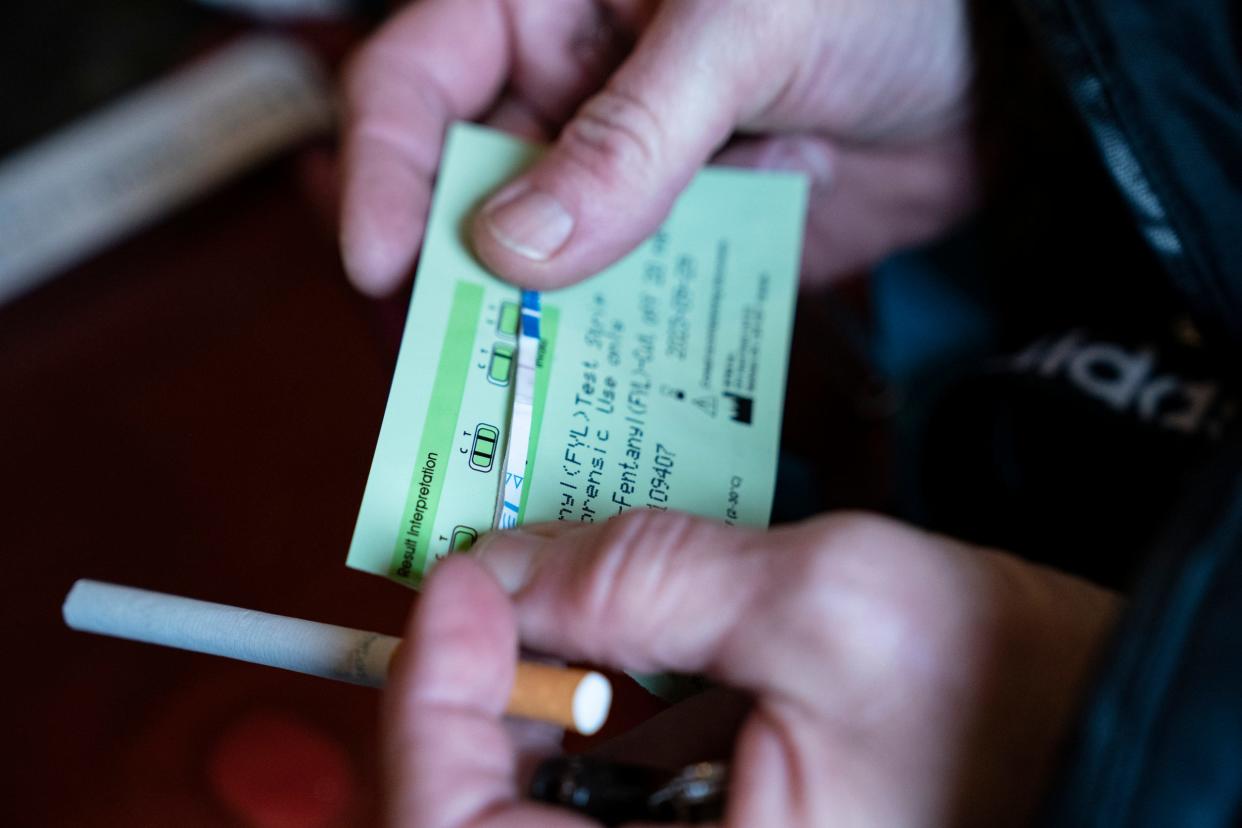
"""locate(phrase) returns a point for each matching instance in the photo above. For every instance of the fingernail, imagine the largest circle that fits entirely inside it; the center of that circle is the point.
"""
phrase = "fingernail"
(532, 223)
(801, 155)
(373, 266)
(508, 556)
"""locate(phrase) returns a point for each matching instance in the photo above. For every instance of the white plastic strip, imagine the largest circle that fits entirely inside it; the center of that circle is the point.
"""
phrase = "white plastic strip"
(114, 171)
(509, 500)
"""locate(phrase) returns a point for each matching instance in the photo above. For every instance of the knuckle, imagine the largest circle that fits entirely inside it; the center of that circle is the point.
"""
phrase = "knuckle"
(632, 564)
(371, 67)
(843, 569)
(872, 580)
(613, 136)
(848, 534)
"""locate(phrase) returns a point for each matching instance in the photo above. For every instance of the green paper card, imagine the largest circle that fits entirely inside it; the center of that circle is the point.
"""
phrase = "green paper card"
(659, 382)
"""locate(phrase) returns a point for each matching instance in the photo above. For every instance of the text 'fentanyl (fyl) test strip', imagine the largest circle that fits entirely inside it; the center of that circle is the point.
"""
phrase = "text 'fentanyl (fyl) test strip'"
(659, 383)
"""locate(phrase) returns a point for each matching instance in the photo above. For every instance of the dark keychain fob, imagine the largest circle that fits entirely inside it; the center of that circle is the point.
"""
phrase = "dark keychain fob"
(614, 793)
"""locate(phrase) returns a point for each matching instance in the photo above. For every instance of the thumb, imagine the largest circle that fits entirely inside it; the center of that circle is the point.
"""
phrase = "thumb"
(619, 164)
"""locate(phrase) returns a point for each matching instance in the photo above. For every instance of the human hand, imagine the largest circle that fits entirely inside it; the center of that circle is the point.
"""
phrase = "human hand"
(870, 99)
(899, 678)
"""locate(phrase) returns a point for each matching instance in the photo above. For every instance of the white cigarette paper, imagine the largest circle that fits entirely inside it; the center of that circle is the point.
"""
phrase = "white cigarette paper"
(574, 698)
(324, 650)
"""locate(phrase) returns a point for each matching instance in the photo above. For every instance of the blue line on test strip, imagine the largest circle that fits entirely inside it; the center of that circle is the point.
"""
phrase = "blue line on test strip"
(530, 313)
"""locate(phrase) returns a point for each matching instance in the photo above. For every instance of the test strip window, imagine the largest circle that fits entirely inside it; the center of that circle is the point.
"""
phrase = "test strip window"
(463, 538)
(500, 367)
(509, 315)
(483, 449)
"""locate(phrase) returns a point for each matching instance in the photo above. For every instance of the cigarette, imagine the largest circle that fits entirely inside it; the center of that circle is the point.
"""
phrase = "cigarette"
(569, 697)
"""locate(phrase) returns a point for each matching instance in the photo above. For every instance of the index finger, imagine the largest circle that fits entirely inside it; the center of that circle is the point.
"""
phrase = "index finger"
(435, 62)
(451, 762)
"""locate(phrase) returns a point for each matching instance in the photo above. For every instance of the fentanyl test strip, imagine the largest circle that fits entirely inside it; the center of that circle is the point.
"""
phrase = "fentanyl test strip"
(658, 383)
(569, 697)
(518, 449)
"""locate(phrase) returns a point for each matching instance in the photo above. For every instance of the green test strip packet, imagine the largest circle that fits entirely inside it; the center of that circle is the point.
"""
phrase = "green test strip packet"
(659, 383)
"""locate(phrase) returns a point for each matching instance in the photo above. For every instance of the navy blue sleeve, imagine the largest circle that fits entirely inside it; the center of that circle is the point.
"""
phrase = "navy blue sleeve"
(1160, 741)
